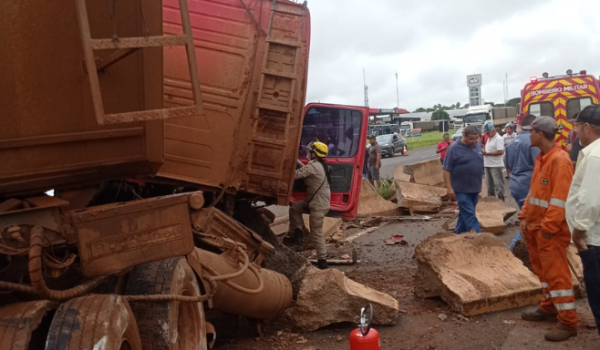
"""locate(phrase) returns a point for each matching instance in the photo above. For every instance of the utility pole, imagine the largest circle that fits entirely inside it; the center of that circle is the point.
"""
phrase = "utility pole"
(397, 92)
(506, 94)
(366, 89)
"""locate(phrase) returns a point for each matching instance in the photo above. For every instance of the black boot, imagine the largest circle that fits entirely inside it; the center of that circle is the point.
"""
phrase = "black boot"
(322, 264)
(294, 237)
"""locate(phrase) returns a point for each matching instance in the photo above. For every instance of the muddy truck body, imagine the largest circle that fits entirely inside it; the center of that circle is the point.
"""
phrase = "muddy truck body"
(136, 139)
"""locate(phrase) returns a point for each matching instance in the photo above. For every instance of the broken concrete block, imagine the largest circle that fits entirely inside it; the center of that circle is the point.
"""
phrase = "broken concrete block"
(426, 173)
(327, 297)
(371, 204)
(417, 197)
(330, 225)
(400, 175)
(492, 214)
(474, 274)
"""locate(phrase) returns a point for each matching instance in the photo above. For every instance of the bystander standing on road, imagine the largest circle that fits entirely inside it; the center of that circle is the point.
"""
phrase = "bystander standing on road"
(374, 161)
(442, 147)
(520, 160)
(510, 134)
(463, 172)
(583, 204)
(574, 145)
(493, 162)
(547, 235)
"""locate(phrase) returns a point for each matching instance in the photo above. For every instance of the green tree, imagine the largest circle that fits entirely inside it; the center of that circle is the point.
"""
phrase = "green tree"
(457, 105)
(491, 104)
(430, 110)
(513, 102)
(419, 110)
(466, 106)
(440, 114)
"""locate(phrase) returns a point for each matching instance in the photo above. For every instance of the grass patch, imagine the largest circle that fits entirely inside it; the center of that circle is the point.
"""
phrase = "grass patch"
(426, 139)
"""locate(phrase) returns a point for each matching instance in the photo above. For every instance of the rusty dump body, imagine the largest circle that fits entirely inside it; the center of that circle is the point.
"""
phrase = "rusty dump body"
(253, 90)
(98, 104)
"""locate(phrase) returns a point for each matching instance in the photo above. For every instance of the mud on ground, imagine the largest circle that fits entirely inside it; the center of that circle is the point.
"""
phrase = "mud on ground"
(423, 324)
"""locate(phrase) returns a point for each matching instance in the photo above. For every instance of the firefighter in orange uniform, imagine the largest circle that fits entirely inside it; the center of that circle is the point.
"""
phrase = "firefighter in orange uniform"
(544, 226)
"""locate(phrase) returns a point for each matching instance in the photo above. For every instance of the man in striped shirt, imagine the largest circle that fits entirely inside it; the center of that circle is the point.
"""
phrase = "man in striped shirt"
(547, 235)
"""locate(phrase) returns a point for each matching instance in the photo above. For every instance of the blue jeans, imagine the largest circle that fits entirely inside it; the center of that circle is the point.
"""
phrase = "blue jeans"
(520, 202)
(590, 259)
(467, 220)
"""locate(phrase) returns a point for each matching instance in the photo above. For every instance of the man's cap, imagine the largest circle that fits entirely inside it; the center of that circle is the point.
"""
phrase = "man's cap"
(526, 122)
(545, 124)
(509, 125)
(590, 115)
(488, 127)
(372, 136)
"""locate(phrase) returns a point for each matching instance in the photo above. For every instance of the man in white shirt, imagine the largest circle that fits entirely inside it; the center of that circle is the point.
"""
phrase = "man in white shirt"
(510, 134)
(583, 204)
(493, 161)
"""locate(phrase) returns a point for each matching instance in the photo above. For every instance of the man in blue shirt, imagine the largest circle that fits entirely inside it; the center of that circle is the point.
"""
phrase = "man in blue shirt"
(463, 173)
(520, 160)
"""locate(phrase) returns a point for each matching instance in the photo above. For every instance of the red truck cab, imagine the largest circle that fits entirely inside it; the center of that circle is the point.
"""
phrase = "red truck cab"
(344, 130)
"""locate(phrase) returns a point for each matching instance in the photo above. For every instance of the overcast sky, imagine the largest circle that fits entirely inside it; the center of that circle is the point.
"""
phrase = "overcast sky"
(434, 44)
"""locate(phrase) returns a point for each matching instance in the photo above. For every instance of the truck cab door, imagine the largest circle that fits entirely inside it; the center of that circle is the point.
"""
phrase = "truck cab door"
(344, 130)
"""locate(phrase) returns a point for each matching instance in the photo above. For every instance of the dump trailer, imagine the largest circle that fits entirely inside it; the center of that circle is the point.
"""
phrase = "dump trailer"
(136, 139)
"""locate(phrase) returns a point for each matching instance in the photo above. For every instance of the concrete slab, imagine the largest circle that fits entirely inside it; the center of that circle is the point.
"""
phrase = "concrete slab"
(426, 173)
(327, 297)
(371, 204)
(474, 274)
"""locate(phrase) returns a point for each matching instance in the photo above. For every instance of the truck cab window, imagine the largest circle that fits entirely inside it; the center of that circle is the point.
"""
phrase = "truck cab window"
(575, 105)
(337, 128)
(544, 109)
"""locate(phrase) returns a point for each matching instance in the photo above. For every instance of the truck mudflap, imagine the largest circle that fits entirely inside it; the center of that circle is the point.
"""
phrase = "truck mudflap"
(118, 236)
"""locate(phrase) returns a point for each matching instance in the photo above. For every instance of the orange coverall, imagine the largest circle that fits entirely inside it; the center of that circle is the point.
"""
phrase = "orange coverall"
(544, 209)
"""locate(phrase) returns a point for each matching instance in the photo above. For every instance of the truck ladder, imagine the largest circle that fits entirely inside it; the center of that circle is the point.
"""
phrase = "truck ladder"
(125, 47)
(278, 85)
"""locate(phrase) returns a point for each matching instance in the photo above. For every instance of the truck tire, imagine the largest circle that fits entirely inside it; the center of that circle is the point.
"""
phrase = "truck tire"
(170, 325)
(94, 322)
(24, 326)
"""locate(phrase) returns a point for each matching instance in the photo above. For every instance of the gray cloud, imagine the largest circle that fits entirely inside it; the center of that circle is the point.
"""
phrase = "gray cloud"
(434, 44)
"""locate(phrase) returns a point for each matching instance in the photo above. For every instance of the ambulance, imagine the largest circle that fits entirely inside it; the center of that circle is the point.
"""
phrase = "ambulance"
(560, 97)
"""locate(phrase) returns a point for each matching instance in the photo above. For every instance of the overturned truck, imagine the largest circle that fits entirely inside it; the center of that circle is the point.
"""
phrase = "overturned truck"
(137, 138)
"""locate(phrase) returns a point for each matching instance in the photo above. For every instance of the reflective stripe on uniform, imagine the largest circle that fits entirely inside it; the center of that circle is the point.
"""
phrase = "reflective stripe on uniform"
(539, 202)
(561, 293)
(565, 306)
(544, 285)
(557, 202)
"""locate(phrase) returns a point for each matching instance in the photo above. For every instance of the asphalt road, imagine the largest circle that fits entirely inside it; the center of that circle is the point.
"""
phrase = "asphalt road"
(388, 164)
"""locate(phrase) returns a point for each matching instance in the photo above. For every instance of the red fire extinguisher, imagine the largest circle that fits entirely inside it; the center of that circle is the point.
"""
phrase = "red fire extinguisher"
(364, 337)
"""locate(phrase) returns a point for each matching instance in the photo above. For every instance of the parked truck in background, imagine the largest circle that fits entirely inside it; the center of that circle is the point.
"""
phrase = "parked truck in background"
(498, 116)
(158, 126)
(560, 97)
(425, 126)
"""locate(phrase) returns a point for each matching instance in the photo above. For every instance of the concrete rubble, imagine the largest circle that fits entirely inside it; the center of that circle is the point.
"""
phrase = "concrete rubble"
(327, 297)
(371, 204)
(425, 173)
(492, 214)
(474, 274)
(417, 187)
(331, 226)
